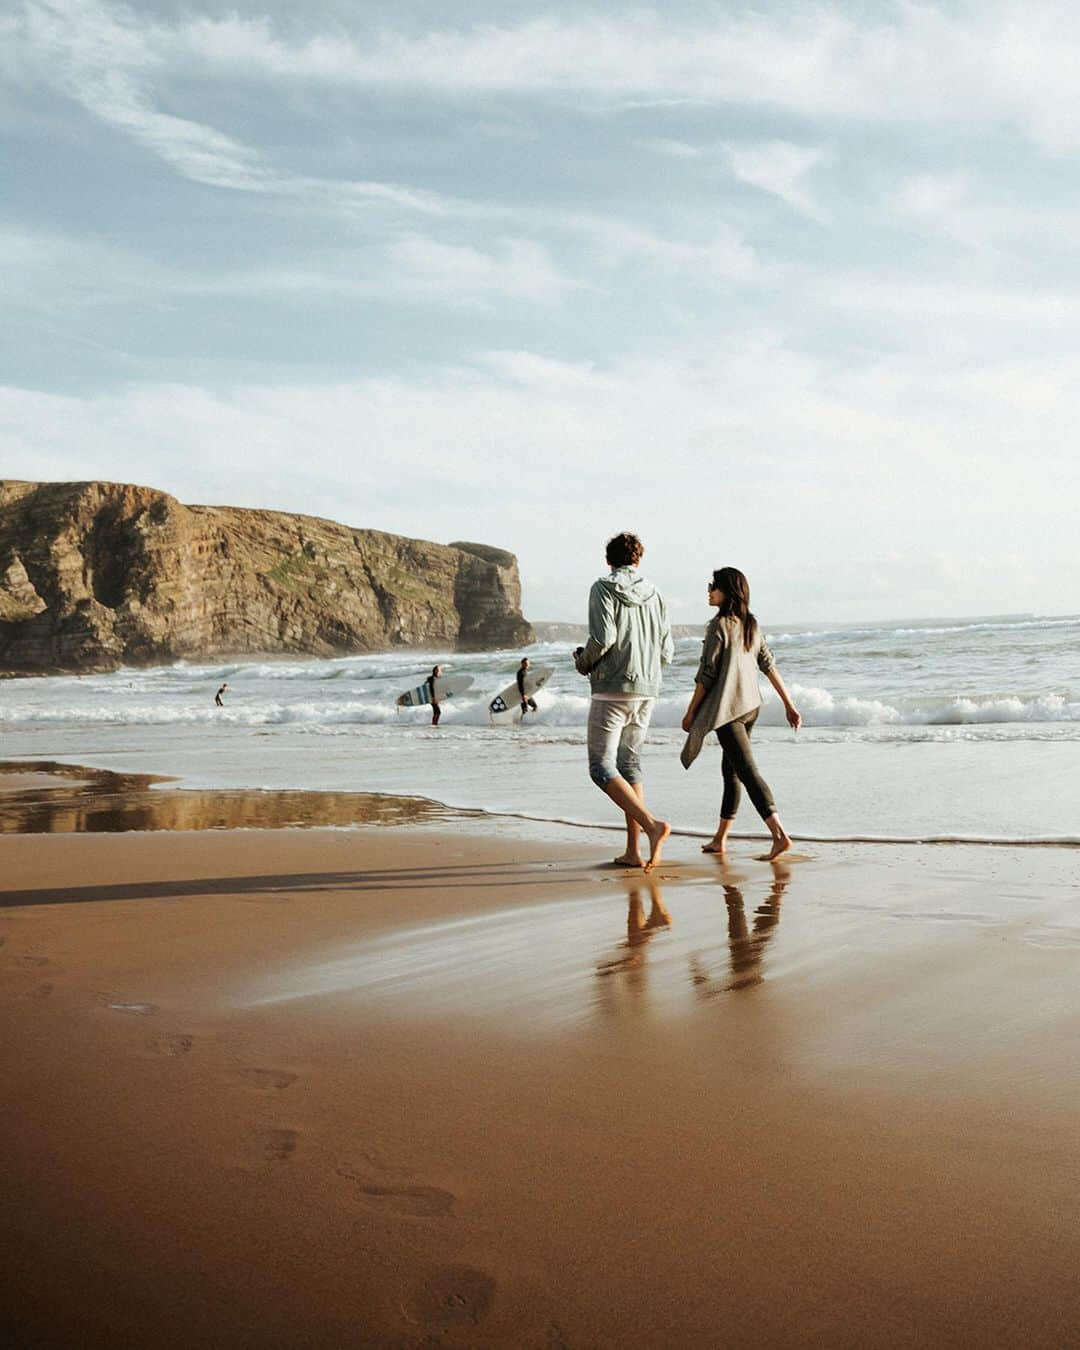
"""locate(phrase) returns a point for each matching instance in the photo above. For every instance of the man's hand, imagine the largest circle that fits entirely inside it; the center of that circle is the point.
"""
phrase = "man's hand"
(688, 720)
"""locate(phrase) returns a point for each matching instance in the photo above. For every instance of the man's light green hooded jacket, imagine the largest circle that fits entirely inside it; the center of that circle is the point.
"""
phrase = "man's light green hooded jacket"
(629, 636)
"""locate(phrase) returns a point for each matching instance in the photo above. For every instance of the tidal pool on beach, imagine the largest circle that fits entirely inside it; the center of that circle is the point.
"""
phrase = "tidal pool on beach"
(43, 797)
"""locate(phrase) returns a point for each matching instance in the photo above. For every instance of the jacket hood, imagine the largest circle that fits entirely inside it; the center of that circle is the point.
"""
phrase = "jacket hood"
(627, 587)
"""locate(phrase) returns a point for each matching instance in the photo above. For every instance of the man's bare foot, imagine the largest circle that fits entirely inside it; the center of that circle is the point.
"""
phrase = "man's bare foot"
(627, 860)
(657, 837)
(780, 844)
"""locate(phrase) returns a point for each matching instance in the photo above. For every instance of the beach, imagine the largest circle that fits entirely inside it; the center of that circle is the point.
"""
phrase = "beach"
(433, 1078)
(460, 461)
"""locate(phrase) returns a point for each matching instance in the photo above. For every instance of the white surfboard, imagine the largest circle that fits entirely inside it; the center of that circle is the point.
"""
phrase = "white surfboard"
(446, 686)
(505, 707)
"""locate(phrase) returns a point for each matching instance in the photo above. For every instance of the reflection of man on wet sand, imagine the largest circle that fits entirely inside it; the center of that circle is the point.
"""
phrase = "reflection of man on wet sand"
(746, 946)
(639, 930)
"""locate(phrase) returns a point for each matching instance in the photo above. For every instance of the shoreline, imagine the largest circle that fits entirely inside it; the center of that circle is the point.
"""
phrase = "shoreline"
(456, 1082)
(153, 791)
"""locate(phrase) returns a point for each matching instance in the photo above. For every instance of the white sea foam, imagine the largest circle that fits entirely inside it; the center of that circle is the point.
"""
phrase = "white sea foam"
(820, 709)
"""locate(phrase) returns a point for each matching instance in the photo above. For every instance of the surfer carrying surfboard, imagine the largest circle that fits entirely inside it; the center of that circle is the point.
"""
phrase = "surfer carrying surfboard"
(629, 642)
(436, 709)
(527, 701)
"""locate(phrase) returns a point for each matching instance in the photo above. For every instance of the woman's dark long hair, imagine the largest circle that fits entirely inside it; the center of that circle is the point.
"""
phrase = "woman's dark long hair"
(736, 604)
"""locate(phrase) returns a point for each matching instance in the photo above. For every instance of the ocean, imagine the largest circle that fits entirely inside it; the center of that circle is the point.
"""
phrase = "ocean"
(961, 728)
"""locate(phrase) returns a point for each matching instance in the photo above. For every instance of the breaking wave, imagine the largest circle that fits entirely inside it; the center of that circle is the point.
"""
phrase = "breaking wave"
(188, 705)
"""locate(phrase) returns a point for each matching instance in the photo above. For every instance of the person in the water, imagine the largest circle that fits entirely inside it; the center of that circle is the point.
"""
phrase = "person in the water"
(528, 703)
(219, 702)
(436, 709)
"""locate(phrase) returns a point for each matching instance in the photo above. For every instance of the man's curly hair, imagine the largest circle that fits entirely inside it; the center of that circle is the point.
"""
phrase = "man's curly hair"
(624, 550)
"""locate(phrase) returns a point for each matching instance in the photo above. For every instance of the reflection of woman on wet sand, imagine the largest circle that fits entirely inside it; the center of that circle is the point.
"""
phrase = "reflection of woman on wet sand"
(745, 946)
(727, 700)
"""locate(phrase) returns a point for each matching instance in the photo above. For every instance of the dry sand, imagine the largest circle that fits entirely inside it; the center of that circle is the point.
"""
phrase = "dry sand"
(453, 1084)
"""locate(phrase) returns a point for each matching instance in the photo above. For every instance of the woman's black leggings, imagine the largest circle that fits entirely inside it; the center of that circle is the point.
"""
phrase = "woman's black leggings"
(739, 768)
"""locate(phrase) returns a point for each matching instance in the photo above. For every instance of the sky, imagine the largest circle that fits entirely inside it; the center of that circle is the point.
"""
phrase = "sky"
(786, 287)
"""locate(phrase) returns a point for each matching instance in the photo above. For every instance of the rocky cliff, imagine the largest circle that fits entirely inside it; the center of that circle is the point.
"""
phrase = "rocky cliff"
(95, 575)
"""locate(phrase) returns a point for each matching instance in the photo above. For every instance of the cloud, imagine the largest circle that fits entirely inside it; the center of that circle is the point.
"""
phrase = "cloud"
(21, 252)
(910, 63)
(664, 145)
(779, 168)
(993, 309)
(530, 370)
(106, 59)
(930, 195)
(513, 269)
(56, 274)
(722, 256)
(101, 58)
(544, 455)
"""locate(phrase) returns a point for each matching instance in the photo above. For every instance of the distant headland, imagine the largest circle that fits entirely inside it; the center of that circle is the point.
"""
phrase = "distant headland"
(98, 575)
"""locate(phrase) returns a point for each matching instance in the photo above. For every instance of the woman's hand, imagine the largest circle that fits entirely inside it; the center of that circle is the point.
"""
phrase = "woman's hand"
(688, 719)
(794, 716)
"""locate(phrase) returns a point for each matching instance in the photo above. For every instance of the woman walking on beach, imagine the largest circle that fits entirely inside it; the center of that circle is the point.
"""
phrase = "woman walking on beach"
(727, 700)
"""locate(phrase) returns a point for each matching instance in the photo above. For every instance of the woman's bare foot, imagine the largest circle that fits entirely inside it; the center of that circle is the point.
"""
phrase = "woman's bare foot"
(657, 836)
(780, 844)
(628, 860)
(716, 846)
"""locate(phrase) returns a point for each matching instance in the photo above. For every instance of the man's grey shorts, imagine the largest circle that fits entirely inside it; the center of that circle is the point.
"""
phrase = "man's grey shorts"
(617, 730)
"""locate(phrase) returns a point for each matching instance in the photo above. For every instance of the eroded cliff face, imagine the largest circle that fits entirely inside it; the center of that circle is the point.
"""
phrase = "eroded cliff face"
(96, 575)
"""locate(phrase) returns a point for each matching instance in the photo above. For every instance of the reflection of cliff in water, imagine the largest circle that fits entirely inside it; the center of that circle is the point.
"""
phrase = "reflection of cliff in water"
(80, 800)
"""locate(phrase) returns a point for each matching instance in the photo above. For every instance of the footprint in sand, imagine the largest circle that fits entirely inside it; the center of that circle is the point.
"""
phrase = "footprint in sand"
(400, 1197)
(263, 1150)
(377, 1163)
(267, 1080)
(32, 962)
(277, 1145)
(42, 991)
(451, 1296)
(170, 1045)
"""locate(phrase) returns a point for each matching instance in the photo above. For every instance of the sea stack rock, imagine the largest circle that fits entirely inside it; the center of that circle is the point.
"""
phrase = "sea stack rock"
(98, 575)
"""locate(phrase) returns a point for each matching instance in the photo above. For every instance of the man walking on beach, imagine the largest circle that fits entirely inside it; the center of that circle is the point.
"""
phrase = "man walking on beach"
(629, 640)
(219, 702)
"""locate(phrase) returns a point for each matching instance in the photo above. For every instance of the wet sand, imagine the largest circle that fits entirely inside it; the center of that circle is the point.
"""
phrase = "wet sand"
(452, 1083)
